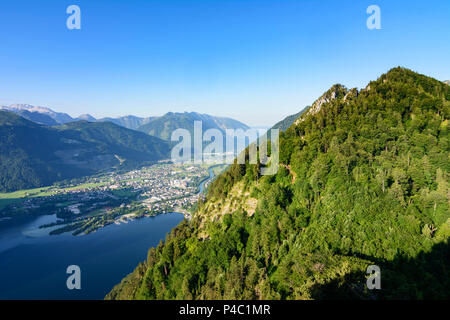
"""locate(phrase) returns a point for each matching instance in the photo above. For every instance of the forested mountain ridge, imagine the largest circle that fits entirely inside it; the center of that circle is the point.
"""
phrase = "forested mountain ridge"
(363, 180)
(32, 155)
(39, 113)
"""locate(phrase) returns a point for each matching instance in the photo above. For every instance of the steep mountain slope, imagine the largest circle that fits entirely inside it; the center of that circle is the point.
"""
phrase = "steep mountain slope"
(32, 155)
(37, 117)
(363, 180)
(162, 127)
(284, 124)
(447, 82)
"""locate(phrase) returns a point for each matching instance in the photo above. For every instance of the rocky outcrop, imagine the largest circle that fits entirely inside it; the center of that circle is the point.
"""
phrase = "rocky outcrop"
(337, 91)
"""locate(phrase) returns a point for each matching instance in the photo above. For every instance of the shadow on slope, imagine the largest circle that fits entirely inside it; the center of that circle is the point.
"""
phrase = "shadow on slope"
(426, 276)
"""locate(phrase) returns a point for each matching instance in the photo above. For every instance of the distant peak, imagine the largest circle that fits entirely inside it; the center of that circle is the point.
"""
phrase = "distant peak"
(86, 117)
(336, 91)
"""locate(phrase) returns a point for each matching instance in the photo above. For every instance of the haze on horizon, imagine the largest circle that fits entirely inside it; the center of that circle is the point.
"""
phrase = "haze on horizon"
(254, 61)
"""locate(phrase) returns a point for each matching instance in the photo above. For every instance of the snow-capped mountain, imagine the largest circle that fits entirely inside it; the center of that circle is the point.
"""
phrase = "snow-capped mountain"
(47, 116)
(59, 117)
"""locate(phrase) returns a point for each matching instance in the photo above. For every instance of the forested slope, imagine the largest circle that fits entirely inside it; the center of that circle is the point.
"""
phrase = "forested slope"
(363, 180)
(33, 155)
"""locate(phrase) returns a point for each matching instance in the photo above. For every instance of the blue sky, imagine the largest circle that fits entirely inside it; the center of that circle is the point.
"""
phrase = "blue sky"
(256, 60)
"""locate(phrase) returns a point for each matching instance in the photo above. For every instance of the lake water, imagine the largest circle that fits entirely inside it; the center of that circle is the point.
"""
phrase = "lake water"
(33, 264)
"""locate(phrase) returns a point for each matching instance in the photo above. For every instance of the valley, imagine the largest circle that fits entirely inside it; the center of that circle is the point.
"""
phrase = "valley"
(233, 157)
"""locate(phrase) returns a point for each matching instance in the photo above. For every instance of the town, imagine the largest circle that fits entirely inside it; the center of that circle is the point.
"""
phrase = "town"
(84, 205)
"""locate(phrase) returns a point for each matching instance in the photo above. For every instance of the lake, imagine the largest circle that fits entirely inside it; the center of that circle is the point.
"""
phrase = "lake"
(33, 264)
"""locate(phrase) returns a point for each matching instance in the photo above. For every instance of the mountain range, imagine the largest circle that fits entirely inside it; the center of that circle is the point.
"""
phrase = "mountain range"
(363, 180)
(40, 115)
(160, 127)
(284, 124)
(34, 155)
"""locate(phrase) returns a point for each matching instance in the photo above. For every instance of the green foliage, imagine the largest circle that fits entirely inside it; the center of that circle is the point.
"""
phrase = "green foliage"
(284, 124)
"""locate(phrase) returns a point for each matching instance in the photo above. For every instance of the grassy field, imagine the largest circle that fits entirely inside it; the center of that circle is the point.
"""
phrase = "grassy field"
(85, 186)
